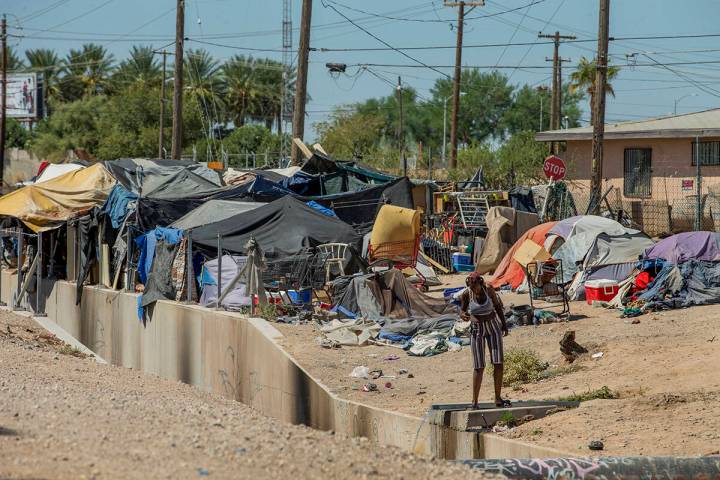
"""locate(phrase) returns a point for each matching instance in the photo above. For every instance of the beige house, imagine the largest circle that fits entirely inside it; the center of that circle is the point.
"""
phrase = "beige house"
(652, 164)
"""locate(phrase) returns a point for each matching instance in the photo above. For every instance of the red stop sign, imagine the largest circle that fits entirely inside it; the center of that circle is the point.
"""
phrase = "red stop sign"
(554, 168)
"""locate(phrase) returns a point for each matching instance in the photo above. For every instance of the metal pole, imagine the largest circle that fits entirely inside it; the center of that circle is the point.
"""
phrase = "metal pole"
(39, 311)
(2, 257)
(20, 247)
(3, 99)
(128, 260)
(698, 181)
(444, 147)
(189, 267)
(219, 276)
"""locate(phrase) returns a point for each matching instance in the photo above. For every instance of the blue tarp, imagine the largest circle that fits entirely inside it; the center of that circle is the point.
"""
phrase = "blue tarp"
(321, 209)
(116, 204)
(693, 282)
(147, 242)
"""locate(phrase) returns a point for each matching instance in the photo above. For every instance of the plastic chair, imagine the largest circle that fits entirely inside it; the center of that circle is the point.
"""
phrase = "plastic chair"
(335, 257)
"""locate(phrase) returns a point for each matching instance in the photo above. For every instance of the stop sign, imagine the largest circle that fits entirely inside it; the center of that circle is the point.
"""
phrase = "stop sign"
(554, 168)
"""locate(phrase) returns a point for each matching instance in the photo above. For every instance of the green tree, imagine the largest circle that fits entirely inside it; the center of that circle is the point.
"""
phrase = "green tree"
(583, 79)
(529, 103)
(48, 65)
(16, 135)
(15, 63)
(140, 68)
(87, 72)
(349, 134)
(485, 99)
(520, 160)
(203, 82)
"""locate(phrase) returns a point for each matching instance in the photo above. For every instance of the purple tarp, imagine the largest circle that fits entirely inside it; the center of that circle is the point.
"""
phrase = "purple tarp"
(686, 246)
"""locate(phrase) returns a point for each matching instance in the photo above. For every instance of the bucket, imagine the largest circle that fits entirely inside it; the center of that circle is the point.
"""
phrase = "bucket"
(523, 313)
(600, 290)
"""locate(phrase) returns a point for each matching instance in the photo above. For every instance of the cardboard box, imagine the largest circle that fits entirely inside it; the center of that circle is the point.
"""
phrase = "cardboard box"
(530, 252)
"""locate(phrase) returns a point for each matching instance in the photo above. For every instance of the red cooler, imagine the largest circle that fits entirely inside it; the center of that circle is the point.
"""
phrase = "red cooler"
(600, 290)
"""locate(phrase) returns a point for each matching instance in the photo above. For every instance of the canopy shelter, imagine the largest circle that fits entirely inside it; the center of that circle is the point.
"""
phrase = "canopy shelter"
(283, 227)
(509, 271)
(52, 170)
(46, 205)
(683, 247)
(213, 211)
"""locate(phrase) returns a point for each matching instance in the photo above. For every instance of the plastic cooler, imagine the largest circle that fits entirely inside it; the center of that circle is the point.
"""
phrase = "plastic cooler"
(462, 262)
(601, 290)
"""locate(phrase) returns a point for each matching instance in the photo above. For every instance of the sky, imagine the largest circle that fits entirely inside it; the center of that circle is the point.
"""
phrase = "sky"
(686, 70)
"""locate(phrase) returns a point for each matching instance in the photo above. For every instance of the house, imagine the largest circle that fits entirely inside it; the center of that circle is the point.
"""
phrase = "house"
(653, 165)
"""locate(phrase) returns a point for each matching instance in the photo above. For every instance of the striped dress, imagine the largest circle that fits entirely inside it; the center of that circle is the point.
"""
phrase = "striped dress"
(485, 328)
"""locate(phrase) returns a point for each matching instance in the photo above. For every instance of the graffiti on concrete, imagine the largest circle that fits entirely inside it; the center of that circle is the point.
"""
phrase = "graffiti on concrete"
(604, 468)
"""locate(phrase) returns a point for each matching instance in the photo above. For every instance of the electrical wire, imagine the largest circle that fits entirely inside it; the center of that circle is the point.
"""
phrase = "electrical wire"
(43, 11)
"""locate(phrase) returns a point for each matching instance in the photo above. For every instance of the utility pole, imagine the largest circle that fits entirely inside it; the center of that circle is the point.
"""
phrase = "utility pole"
(3, 109)
(599, 106)
(302, 74)
(161, 141)
(285, 106)
(178, 81)
(401, 128)
(556, 102)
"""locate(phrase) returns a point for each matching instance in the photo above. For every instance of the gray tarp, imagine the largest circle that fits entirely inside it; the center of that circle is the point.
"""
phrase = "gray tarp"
(609, 250)
(213, 211)
(691, 283)
(153, 173)
(231, 265)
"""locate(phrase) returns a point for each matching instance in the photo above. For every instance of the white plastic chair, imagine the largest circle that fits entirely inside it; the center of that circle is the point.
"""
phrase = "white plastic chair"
(335, 253)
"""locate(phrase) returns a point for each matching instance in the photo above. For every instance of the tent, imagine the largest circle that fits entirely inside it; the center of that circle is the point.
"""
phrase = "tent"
(145, 175)
(213, 211)
(505, 225)
(46, 205)
(53, 170)
(282, 227)
(683, 247)
(509, 271)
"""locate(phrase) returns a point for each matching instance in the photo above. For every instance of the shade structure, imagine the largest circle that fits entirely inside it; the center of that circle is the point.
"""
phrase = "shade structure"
(509, 271)
(47, 205)
(283, 227)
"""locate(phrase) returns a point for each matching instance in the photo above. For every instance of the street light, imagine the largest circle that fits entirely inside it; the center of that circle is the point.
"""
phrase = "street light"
(444, 147)
(679, 99)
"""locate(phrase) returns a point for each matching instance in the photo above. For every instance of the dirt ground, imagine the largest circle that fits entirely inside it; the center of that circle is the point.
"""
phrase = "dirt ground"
(665, 370)
(67, 417)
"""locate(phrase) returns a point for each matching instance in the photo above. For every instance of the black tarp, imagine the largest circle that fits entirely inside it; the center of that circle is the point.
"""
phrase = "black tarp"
(283, 227)
(87, 236)
(161, 212)
(130, 172)
(359, 209)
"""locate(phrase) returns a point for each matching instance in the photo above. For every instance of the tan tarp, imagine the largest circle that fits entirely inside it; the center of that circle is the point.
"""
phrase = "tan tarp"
(505, 226)
(45, 205)
(395, 224)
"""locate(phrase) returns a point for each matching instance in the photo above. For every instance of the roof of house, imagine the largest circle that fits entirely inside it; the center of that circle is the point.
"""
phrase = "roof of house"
(703, 124)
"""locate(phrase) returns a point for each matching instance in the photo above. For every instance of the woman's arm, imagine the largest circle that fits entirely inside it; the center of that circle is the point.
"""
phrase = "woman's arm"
(497, 303)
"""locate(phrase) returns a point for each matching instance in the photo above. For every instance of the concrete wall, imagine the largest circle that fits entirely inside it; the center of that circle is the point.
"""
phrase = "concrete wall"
(20, 165)
(238, 357)
(671, 164)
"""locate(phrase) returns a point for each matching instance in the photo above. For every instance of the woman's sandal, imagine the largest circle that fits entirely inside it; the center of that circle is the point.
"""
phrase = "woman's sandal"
(503, 404)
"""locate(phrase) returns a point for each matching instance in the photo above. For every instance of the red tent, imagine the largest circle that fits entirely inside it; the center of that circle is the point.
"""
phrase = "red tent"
(509, 272)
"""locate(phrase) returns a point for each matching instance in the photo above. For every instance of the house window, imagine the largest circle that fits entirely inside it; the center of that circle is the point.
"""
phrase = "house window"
(637, 172)
(709, 153)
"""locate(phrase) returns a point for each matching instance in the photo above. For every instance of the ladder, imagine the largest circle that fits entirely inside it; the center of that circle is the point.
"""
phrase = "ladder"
(473, 207)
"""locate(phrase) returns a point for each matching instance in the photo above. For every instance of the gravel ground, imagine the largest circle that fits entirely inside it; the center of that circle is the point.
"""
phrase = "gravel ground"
(65, 416)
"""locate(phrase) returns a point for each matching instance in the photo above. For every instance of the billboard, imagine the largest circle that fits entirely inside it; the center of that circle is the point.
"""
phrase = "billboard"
(22, 95)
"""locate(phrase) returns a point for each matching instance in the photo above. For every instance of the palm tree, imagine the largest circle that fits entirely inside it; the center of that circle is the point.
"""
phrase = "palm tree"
(243, 88)
(14, 61)
(141, 68)
(87, 71)
(204, 82)
(48, 64)
(583, 79)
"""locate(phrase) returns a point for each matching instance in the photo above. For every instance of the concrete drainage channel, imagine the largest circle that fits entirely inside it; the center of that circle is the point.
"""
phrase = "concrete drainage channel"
(240, 358)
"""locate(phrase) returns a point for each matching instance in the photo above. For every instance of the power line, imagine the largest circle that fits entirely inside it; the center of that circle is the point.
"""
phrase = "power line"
(84, 14)
(383, 41)
(43, 11)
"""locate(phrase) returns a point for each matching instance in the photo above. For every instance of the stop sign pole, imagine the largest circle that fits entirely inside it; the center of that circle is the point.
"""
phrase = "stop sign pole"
(554, 169)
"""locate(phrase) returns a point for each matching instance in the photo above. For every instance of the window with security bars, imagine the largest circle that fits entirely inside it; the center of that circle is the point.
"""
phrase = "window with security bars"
(709, 153)
(637, 172)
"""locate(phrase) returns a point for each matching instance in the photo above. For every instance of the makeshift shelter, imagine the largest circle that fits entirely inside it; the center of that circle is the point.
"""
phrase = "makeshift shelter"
(505, 225)
(509, 271)
(693, 282)
(47, 205)
(53, 170)
(213, 211)
(139, 175)
(283, 227)
(683, 247)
